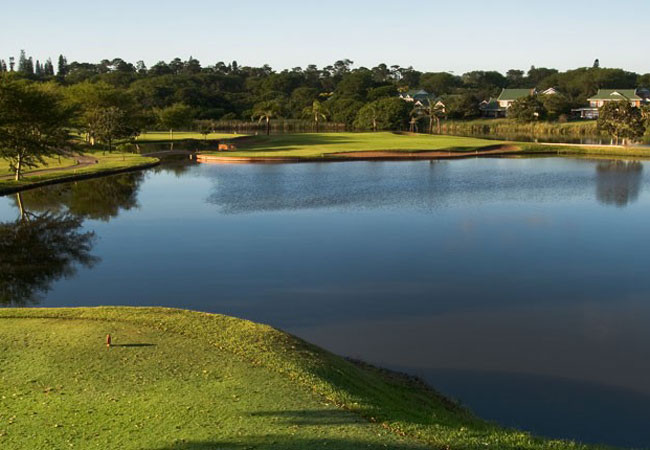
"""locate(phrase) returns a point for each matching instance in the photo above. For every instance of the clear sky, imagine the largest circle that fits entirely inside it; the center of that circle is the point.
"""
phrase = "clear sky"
(431, 35)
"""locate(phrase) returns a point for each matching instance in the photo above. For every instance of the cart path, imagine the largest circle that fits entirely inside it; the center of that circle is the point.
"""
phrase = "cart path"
(81, 162)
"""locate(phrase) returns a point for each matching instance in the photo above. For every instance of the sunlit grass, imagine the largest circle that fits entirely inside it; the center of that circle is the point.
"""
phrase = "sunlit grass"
(323, 144)
(185, 380)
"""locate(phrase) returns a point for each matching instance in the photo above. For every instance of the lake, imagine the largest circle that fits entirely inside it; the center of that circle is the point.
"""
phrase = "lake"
(519, 287)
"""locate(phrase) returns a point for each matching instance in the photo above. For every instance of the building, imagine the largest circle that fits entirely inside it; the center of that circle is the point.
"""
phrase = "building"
(491, 109)
(615, 95)
(509, 96)
(636, 97)
(417, 97)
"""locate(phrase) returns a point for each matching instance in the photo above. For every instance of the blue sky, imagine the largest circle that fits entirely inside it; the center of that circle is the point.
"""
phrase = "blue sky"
(450, 35)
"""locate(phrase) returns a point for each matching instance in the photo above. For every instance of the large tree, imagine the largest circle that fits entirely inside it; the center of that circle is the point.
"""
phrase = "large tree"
(527, 109)
(622, 121)
(174, 117)
(105, 113)
(383, 114)
(33, 124)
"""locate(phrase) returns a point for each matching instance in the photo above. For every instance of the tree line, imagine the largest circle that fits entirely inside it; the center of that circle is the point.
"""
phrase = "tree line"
(232, 92)
(41, 107)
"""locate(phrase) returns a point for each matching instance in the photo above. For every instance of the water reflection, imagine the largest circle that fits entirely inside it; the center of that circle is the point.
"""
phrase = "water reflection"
(618, 182)
(38, 249)
(97, 199)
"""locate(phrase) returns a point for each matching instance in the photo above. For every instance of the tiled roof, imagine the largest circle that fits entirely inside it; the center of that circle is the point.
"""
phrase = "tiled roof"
(615, 94)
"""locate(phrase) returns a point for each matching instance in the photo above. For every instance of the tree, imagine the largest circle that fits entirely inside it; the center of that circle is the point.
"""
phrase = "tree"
(105, 113)
(621, 120)
(462, 106)
(265, 112)
(383, 114)
(316, 112)
(62, 67)
(556, 105)
(527, 109)
(433, 112)
(175, 117)
(33, 124)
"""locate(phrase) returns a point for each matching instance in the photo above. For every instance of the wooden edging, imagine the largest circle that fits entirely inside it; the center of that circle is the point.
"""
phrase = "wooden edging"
(81, 176)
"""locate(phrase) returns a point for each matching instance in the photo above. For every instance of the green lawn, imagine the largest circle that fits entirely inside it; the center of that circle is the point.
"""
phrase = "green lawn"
(51, 163)
(108, 162)
(159, 136)
(185, 380)
(313, 145)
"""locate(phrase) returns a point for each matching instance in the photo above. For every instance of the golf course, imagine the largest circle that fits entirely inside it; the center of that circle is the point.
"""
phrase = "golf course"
(351, 145)
(175, 379)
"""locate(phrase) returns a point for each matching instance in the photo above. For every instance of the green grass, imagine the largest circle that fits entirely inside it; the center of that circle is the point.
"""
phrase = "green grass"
(163, 136)
(185, 380)
(108, 162)
(50, 163)
(312, 145)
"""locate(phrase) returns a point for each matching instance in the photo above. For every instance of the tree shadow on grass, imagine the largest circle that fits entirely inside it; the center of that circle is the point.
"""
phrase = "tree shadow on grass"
(133, 345)
(292, 142)
(313, 417)
(292, 443)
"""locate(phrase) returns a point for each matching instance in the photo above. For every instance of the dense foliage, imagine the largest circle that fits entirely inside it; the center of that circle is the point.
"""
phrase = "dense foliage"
(233, 92)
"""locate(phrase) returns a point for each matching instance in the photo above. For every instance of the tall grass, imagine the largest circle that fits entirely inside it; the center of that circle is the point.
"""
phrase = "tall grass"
(509, 126)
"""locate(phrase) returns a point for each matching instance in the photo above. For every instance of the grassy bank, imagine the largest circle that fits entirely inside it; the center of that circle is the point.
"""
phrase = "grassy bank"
(314, 145)
(185, 380)
(68, 168)
(512, 127)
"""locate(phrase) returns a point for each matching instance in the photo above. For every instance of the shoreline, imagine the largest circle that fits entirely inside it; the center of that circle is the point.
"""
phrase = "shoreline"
(74, 177)
(403, 406)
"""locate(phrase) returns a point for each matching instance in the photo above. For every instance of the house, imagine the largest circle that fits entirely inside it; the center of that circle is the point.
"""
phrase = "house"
(417, 97)
(636, 97)
(615, 95)
(509, 96)
(491, 109)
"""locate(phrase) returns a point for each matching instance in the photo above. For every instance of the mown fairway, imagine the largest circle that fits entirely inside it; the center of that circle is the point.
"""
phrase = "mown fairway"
(163, 136)
(322, 144)
(182, 380)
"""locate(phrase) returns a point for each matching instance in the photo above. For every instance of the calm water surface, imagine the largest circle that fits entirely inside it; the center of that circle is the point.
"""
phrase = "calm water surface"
(518, 286)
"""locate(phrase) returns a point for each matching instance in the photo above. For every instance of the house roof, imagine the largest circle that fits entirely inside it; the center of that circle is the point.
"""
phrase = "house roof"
(615, 94)
(490, 105)
(515, 94)
(420, 93)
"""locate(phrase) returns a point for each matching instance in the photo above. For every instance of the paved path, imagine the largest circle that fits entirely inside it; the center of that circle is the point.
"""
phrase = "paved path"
(81, 162)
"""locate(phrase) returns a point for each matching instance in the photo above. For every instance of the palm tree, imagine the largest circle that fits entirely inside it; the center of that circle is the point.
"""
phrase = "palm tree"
(317, 112)
(432, 111)
(265, 111)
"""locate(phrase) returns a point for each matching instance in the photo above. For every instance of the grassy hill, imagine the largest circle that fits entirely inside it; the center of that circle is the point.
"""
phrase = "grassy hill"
(184, 380)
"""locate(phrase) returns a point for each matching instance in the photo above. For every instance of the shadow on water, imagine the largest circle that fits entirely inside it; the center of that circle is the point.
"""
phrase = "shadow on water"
(618, 182)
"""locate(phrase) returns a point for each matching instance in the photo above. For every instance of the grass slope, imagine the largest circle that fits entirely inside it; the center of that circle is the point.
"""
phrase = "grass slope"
(311, 145)
(108, 162)
(195, 381)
